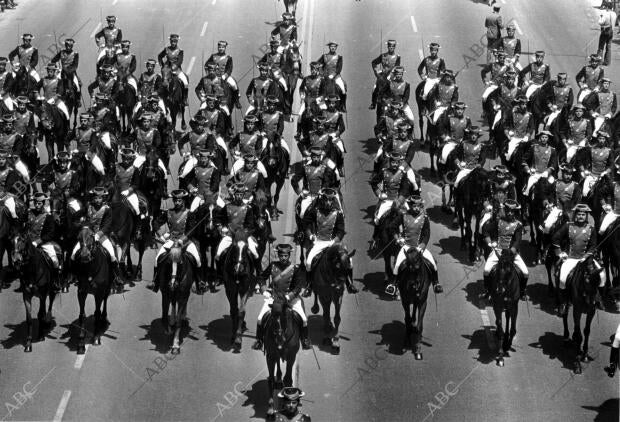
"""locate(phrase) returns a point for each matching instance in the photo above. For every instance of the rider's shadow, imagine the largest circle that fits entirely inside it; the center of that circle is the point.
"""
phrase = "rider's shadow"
(368, 213)
(17, 336)
(316, 334)
(219, 331)
(370, 146)
(72, 333)
(451, 245)
(438, 216)
(393, 335)
(257, 396)
(162, 341)
(554, 346)
(539, 295)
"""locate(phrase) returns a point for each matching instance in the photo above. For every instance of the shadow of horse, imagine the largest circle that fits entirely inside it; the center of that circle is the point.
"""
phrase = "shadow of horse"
(375, 284)
(155, 332)
(554, 346)
(369, 146)
(451, 245)
(369, 213)
(609, 410)
(257, 397)
(393, 335)
(216, 332)
(478, 341)
(72, 331)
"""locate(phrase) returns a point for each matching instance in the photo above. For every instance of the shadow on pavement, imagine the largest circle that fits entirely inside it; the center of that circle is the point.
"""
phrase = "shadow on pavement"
(478, 341)
(369, 213)
(72, 332)
(17, 336)
(438, 216)
(369, 146)
(451, 245)
(219, 331)
(375, 283)
(257, 397)
(158, 337)
(393, 335)
(554, 346)
(608, 411)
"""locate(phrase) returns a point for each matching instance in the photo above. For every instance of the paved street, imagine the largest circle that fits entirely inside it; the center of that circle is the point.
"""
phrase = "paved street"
(132, 377)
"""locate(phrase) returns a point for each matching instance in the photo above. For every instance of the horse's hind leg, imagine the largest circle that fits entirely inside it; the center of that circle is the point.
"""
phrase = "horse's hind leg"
(49, 145)
(288, 375)
(276, 197)
(327, 322)
(176, 341)
(337, 320)
(499, 334)
(577, 338)
(27, 297)
(41, 318)
(81, 348)
(513, 326)
(98, 329)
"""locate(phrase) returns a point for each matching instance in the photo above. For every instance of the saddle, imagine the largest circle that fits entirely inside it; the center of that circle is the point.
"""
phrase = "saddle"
(316, 259)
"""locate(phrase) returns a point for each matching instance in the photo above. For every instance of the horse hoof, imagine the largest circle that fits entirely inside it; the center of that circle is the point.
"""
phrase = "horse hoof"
(500, 362)
(183, 126)
(577, 370)
(314, 309)
(28, 348)
(326, 341)
(417, 356)
(175, 350)
(587, 358)
(65, 289)
(97, 341)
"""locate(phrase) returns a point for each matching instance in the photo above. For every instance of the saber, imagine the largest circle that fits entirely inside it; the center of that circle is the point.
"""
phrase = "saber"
(315, 357)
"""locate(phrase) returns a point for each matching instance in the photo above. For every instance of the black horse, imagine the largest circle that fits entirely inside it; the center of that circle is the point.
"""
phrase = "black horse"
(282, 334)
(385, 242)
(582, 285)
(176, 273)
(505, 295)
(174, 97)
(92, 267)
(55, 128)
(126, 100)
(208, 239)
(36, 279)
(328, 277)
(238, 282)
(276, 160)
(414, 280)
(470, 195)
(541, 195)
(8, 226)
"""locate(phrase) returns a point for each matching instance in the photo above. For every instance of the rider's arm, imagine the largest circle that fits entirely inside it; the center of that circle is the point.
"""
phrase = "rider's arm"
(523, 75)
(517, 50)
(280, 128)
(547, 76)
(375, 63)
(98, 36)
(516, 240)
(34, 59)
(339, 227)
(216, 178)
(228, 69)
(425, 234)
(180, 59)
(132, 65)
(160, 57)
(308, 221)
(199, 89)
(299, 281)
(406, 94)
(297, 177)
(56, 58)
(339, 65)
(558, 237)
(570, 100)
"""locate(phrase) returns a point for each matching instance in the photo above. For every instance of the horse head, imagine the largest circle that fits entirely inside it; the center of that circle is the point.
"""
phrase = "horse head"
(47, 119)
(240, 256)
(86, 241)
(339, 259)
(22, 249)
(278, 321)
(587, 279)
(176, 253)
(505, 273)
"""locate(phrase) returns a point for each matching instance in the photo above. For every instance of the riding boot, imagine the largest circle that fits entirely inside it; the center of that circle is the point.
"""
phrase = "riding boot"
(522, 287)
(487, 287)
(343, 103)
(258, 344)
(56, 280)
(219, 273)
(563, 309)
(185, 96)
(613, 361)
(349, 283)
(257, 266)
(154, 286)
(598, 298)
(118, 281)
(305, 341)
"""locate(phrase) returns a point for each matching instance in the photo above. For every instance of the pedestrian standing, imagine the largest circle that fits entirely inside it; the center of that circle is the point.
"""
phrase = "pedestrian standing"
(607, 20)
(494, 25)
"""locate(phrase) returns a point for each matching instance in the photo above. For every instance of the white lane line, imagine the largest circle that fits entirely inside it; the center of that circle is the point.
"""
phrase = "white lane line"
(517, 26)
(191, 65)
(204, 29)
(79, 361)
(213, 2)
(421, 54)
(413, 25)
(114, 2)
(62, 406)
(92, 34)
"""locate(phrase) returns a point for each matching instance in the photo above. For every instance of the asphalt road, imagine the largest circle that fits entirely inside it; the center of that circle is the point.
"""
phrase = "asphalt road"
(131, 376)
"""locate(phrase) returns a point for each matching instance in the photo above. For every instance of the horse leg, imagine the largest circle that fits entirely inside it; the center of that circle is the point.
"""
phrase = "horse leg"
(577, 337)
(499, 334)
(279, 383)
(327, 322)
(271, 383)
(81, 348)
(234, 316)
(585, 357)
(241, 326)
(513, 324)
(181, 310)
(276, 195)
(288, 375)
(27, 297)
(337, 319)
(165, 306)
(417, 350)
(41, 318)
(98, 330)
(49, 145)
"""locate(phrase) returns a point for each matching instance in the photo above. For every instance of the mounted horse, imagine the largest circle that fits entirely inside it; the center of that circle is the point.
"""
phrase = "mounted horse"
(72, 96)
(386, 232)
(505, 296)
(553, 218)
(92, 269)
(54, 127)
(126, 100)
(470, 195)
(328, 276)
(174, 96)
(86, 176)
(601, 190)
(8, 225)
(542, 194)
(208, 239)
(176, 272)
(238, 282)
(276, 160)
(35, 274)
(414, 279)
(282, 334)
(291, 71)
(582, 287)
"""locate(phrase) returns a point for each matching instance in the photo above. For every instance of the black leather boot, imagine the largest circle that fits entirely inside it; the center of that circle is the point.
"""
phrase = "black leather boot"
(305, 341)
(258, 344)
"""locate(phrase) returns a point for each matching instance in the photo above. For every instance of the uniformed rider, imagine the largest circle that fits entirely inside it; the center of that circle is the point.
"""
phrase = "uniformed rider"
(382, 67)
(431, 68)
(290, 413)
(540, 160)
(283, 280)
(331, 66)
(171, 59)
(41, 229)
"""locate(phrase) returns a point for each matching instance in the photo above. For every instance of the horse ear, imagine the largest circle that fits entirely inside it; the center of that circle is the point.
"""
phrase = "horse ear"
(352, 253)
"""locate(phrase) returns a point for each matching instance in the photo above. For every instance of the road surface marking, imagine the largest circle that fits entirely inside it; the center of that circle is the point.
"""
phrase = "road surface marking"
(62, 406)
(486, 322)
(114, 2)
(92, 34)
(204, 29)
(421, 54)
(191, 64)
(213, 2)
(517, 27)
(413, 25)
(79, 361)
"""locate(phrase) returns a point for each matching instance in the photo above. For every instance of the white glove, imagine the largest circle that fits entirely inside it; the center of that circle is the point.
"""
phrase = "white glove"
(607, 208)
(96, 237)
(493, 245)
(383, 195)
(563, 256)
